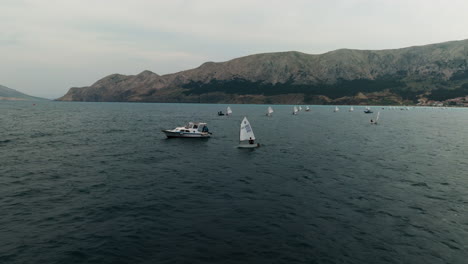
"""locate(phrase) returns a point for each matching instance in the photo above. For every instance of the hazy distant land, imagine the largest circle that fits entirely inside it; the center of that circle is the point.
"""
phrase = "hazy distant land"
(8, 94)
(422, 74)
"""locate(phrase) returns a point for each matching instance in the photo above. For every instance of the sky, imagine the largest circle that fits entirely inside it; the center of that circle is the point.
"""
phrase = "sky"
(46, 47)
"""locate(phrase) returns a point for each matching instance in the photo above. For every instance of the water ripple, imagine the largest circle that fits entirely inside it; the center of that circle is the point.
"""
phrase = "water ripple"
(99, 183)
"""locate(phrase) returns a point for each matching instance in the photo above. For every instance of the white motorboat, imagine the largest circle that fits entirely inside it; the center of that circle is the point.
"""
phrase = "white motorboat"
(191, 130)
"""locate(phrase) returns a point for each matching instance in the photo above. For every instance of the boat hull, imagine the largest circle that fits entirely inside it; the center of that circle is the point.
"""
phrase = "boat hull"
(248, 146)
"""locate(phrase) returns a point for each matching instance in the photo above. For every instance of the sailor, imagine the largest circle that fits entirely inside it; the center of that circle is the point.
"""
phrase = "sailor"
(372, 121)
(251, 141)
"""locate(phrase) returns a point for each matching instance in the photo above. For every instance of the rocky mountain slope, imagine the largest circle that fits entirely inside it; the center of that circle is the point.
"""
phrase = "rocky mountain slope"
(342, 76)
(13, 95)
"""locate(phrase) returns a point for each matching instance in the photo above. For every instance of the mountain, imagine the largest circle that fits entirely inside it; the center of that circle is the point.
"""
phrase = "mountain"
(345, 76)
(13, 95)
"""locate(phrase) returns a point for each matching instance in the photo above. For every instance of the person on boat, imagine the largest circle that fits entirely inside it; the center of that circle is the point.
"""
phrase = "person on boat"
(205, 129)
(251, 141)
(372, 121)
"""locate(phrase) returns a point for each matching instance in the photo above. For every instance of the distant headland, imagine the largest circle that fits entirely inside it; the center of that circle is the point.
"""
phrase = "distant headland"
(8, 94)
(426, 75)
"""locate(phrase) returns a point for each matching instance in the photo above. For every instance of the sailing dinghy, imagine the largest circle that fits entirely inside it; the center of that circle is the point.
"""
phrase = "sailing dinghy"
(374, 122)
(246, 135)
(295, 111)
(228, 111)
(269, 111)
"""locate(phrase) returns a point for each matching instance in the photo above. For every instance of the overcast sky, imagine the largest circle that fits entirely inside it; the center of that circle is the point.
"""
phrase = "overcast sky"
(48, 46)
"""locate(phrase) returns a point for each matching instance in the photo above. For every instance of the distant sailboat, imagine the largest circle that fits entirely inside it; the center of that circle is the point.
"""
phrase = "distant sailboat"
(300, 108)
(374, 122)
(307, 109)
(246, 135)
(269, 111)
(336, 109)
(368, 110)
(295, 111)
(351, 109)
(228, 111)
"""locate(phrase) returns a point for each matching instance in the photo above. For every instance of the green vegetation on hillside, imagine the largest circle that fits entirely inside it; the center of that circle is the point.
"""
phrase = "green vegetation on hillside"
(444, 94)
(340, 89)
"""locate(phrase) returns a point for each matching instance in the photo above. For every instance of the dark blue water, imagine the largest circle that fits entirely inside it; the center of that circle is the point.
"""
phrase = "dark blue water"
(100, 183)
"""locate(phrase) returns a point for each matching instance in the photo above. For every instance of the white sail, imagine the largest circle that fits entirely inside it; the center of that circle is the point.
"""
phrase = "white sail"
(300, 108)
(228, 111)
(246, 132)
(295, 110)
(269, 110)
(351, 109)
(336, 109)
(307, 108)
(374, 122)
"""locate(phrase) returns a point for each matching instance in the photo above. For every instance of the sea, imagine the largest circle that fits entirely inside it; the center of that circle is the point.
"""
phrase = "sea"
(100, 183)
